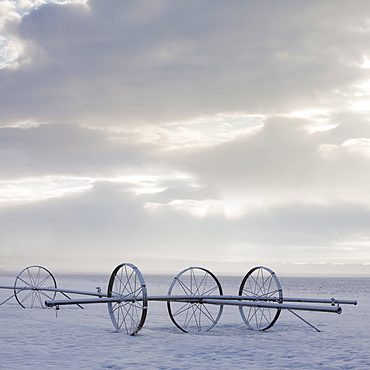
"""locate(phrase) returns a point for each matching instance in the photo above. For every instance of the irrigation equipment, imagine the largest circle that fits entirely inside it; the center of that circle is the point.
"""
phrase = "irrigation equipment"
(195, 298)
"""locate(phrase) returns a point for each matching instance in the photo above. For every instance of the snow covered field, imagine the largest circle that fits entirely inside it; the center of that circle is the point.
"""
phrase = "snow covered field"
(85, 338)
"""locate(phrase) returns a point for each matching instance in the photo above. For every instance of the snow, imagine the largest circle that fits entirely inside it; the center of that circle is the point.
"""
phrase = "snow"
(74, 338)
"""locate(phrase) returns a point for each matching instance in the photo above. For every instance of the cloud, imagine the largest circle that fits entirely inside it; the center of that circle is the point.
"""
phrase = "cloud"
(283, 160)
(122, 63)
(272, 194)
(185, 130)
(67, 149)
(107, 221)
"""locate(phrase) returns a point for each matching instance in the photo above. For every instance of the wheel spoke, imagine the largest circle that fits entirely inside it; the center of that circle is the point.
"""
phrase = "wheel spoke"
(184, 308)
(25, 281)
(134, 294)
(34, 279)
(123, 284)
(46, 294)
(129, 316)
(194, 316)
(28, 295)
(206, 312)
(38, 297)
(189, 318)
(260, 284)
(41, 283)
(187, 290)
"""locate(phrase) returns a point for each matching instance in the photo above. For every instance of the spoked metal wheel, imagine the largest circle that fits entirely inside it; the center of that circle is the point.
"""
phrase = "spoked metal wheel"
(30, 285)
(127, 283)
(194, 316)
(261, 284)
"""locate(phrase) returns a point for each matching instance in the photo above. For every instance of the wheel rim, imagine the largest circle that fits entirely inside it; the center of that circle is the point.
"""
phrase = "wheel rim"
(194, 316)
(29, 284)
(127, 316)
(261, 284)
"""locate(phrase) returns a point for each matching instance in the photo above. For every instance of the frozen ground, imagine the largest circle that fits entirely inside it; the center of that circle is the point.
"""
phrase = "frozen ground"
(85, 339)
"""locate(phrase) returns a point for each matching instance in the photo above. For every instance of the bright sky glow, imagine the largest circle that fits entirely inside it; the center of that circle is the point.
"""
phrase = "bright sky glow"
(36, 189)
(185, 130)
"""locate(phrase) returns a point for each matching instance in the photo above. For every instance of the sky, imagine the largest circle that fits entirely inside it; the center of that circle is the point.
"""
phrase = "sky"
(217, 133)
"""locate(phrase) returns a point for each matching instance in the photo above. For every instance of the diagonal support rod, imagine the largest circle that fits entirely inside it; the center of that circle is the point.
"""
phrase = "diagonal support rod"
(300, 317)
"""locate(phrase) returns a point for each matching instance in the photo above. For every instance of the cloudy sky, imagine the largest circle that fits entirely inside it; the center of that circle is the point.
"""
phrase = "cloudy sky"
(172, 131)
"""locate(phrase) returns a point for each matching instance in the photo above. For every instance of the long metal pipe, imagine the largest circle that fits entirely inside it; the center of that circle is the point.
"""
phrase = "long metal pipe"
(249, 298)
(320, 300)
(60, 290)
(282, 306)
(199, 299)
(64, 302)
(196, 297)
